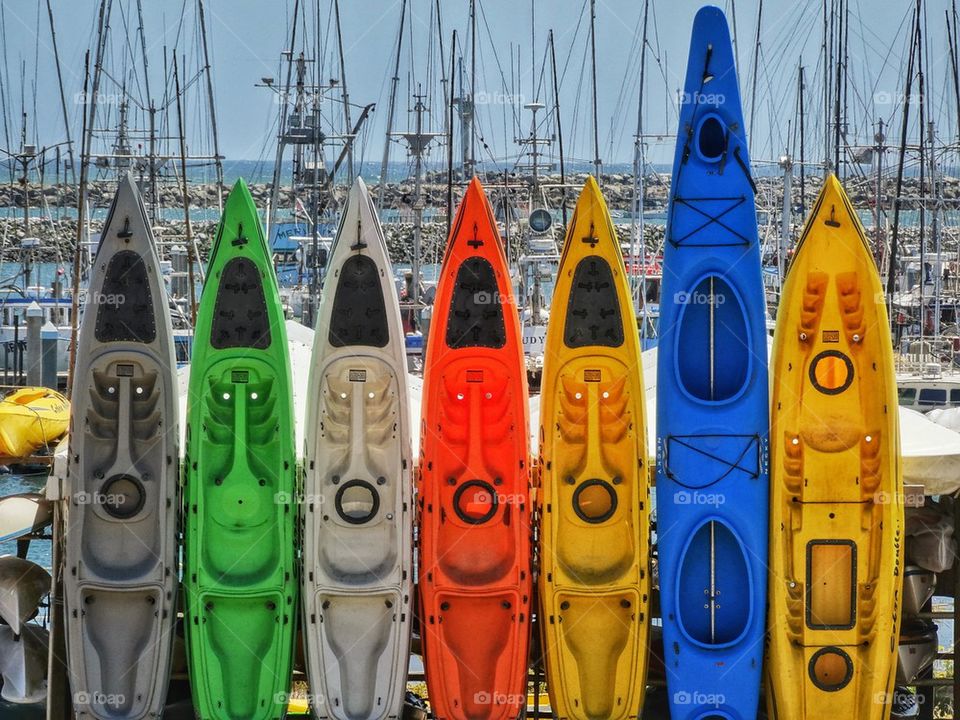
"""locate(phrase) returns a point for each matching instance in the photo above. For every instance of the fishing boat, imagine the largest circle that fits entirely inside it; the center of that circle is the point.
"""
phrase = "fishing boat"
(120, 586)
(31, 418)
(240, 474)
(358, 485)
(594, 508)
(712, 400)
(837, 519)
(474, 486)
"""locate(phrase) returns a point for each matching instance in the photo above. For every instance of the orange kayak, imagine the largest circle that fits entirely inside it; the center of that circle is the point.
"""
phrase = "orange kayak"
(474, 486)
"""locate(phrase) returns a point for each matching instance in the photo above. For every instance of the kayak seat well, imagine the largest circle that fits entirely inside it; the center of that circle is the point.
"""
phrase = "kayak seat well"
(596, 496)
(593, 308)
(249, 665)
(120, 630)
(712, 350)
(123, 426)
(477, 430)
(714, 586)
(358, 629)
(239, 474)
(476, 312)
(596, 630)
(478, 631)
(125, 311)
(358, 424)
(359, 314)
(240, 318)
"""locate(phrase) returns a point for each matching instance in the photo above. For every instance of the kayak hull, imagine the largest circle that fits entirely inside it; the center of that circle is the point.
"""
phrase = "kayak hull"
(475, 532)
(23, 585)
(30, 420)
(121, 521)
(712, 401)
(23, 514)
(23, 664)
(240, 471)
(837, 518)
(358, 510)
(595, 497)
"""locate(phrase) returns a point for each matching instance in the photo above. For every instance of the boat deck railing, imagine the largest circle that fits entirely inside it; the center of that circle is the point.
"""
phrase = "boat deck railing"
(929, 357)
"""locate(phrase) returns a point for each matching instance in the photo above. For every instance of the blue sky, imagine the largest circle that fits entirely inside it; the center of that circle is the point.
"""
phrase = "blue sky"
(247, 37)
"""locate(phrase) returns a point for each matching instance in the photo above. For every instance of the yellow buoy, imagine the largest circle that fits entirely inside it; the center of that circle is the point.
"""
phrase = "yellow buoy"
(594, 505)
(836, 498)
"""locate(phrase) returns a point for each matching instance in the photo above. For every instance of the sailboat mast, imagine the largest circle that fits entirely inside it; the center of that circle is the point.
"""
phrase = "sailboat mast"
(284, 109)
(593, 69)
(451, 101)
(892, 267)
(211, 105)
(63, 97)
(191, 254)
(473, 86)
(756, 72)
(836, 105)
(803, 170)
(348, 123)
(639, 167)
(556, 111)
(394, 82)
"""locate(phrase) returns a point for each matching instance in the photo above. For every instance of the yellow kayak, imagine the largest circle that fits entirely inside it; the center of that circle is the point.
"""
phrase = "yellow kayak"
(594, 500)
(31, 418)
(836, 487)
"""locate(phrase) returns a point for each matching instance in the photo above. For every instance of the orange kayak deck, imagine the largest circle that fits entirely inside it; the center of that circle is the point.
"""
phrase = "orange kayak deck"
(474, 483)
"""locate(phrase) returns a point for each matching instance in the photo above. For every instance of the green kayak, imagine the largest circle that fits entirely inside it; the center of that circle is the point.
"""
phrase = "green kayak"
(240, 473)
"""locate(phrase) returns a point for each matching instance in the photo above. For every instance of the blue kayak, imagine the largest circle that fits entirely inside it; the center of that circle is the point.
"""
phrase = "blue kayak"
(712, 406)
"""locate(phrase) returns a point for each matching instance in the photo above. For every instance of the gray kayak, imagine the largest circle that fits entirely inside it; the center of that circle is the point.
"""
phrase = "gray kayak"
(22, 586)
(120, 576)
(23, 664)
(357, 509)
(23, 514)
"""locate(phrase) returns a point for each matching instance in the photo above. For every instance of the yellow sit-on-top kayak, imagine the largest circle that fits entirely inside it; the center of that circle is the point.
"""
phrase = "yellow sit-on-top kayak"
(594, 502)
(836, 497)
(31, 418)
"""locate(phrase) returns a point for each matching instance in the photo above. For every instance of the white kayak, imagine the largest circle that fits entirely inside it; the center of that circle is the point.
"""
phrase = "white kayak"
(357, 510)
(23, 664)
(120, 579)
(22, 586)
(23, 514)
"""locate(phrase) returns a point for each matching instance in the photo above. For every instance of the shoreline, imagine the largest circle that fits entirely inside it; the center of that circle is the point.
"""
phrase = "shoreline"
(57, 236)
